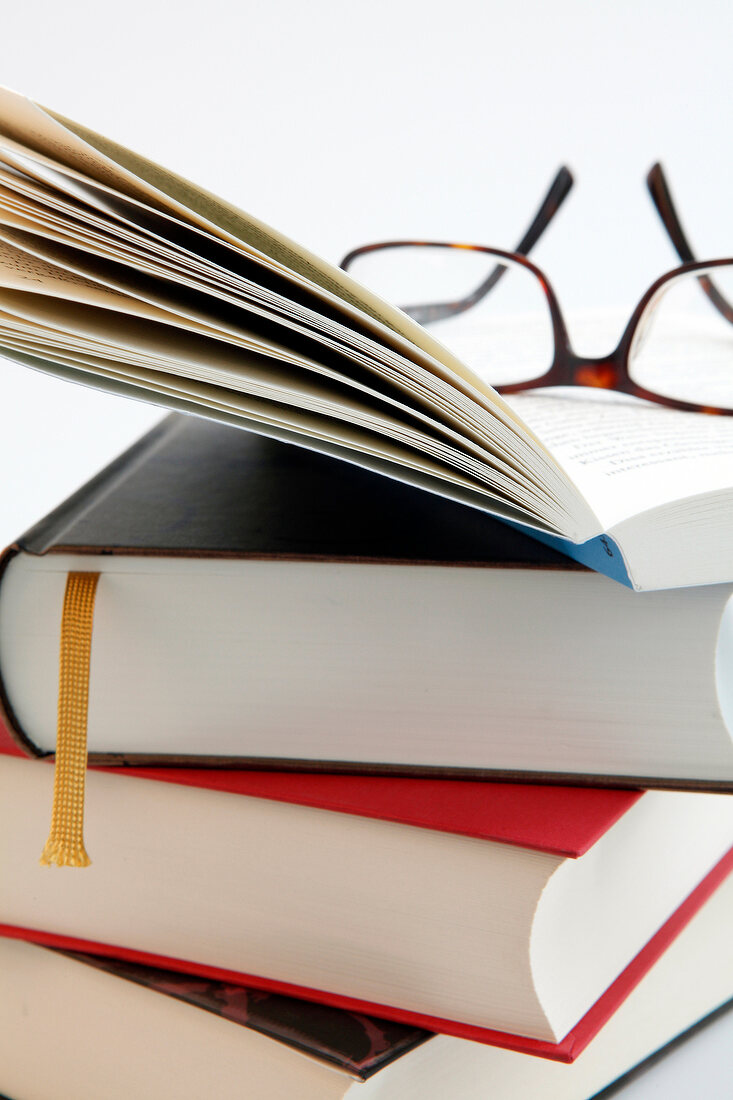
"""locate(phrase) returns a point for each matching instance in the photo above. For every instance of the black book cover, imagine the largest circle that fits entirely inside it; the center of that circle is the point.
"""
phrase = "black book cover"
(195, 487)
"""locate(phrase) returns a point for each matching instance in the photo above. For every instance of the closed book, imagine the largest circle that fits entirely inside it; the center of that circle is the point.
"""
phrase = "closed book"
(515, 916)
(151, 1033)
(265, 605)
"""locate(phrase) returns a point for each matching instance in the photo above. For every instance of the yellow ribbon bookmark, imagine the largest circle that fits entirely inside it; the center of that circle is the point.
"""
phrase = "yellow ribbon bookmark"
(65, 844)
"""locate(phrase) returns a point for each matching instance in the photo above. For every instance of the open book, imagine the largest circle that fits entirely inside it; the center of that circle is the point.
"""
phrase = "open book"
(116, 273)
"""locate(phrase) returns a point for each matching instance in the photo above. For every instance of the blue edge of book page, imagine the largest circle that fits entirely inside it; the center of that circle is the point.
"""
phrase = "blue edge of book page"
(600, 553)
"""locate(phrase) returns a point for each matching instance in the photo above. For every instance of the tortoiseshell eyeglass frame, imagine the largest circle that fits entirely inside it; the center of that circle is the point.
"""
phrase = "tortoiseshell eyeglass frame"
(609, 372)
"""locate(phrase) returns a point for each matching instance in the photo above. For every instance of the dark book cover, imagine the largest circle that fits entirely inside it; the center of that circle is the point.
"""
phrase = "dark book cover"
(359, 1045)
(194, 487)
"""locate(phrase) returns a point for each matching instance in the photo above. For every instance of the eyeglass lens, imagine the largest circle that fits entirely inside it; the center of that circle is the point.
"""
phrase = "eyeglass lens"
(504, 336)
(683, 346)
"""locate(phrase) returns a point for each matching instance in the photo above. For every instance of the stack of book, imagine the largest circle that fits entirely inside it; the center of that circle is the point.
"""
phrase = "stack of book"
(385, 796)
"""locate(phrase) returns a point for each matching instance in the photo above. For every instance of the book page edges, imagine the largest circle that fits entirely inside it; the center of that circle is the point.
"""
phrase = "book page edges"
(53, 134)
(567, 1050)
(393, 469)
(212, 211)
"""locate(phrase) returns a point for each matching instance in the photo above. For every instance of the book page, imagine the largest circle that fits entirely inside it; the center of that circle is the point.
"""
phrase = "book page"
(626, 455)
(181, 362)
(97, 156)
(210, 210)
(129, 335)
(165, 229)
(60, 274)
(341, 439)
(167, 261)
(449, 411)
(402, 354)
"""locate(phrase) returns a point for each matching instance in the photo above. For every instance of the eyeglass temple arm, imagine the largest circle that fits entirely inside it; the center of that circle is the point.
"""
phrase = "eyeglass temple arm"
(557, 193)
(662, 198)
(424, 314)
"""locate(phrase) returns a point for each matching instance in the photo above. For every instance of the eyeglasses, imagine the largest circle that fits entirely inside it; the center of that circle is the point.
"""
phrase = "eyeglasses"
(498, 312)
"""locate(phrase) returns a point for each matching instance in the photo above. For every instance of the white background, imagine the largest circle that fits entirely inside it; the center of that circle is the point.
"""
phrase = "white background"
(340, 122)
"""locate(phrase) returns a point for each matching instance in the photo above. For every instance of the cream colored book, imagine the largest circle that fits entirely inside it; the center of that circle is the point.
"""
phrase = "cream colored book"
(119, 274)
(525, 940)
(73, 1031)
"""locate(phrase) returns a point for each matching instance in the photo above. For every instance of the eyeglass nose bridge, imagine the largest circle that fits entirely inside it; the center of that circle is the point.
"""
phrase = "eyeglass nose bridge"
(605, 372)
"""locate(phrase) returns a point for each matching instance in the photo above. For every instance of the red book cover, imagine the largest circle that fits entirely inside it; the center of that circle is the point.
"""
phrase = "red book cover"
(562, 820)
(8, 744)
(567, 1050)
(565, 821)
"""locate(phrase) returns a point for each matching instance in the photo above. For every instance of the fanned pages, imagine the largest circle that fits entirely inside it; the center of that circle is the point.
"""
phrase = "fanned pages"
(119, 274)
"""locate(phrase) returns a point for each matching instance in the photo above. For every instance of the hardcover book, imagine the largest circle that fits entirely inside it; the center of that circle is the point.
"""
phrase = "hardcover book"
(150, 1033)
(521, 917)
(415, 635)
(116, 273)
